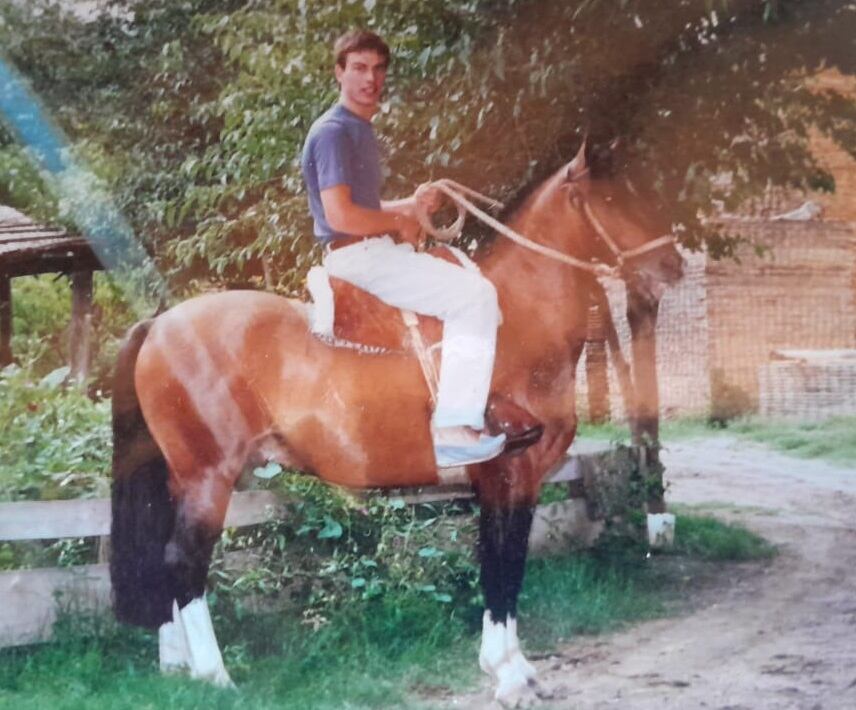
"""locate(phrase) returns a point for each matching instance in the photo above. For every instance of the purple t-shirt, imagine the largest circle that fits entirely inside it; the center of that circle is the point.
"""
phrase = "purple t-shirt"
(341, 149)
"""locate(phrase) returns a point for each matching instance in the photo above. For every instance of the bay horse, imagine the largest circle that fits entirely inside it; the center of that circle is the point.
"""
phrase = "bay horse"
(227, 378)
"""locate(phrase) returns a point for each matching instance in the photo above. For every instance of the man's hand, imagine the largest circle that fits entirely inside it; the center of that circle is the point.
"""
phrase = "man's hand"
(427, 199)
(409, 230)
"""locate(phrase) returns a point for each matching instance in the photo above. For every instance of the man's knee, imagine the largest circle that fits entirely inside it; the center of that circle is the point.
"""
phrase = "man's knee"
(481, 296)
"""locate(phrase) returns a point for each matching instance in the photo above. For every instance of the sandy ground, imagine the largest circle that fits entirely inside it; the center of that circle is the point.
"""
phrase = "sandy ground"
(772, 635)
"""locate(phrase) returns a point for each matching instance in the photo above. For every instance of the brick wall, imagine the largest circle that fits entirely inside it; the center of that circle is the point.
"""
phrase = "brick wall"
(800, 295)
(730, 316)
(808, 385)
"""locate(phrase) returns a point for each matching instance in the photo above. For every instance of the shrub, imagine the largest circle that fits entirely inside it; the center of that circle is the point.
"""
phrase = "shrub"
(41, 316)
(727, 401)
(330, 548)
(56, 441)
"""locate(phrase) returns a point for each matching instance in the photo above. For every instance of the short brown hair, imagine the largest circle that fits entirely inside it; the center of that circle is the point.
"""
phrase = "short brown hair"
(359, 41)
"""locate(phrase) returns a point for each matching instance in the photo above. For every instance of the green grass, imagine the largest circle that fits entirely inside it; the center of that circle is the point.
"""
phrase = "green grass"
(369, 656)
(707, 538)
(608, 431)
(586, 595)
(833, 440)
(670, 430)
(396, 651)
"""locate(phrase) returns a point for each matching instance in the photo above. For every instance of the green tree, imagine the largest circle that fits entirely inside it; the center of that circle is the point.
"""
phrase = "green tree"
(195, 112)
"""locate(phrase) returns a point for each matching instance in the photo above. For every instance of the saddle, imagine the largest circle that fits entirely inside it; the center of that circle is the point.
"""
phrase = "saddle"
(364, 321)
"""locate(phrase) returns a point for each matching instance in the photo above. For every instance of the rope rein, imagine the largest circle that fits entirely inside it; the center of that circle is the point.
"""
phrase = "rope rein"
(455, 191)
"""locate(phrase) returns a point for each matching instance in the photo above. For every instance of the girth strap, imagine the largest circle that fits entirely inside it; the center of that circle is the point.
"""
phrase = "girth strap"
(423, 354)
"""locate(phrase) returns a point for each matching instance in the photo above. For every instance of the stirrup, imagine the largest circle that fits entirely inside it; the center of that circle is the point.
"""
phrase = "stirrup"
(454, 447)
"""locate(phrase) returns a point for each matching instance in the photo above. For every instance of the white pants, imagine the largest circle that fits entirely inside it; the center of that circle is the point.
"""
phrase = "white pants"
(461, 297)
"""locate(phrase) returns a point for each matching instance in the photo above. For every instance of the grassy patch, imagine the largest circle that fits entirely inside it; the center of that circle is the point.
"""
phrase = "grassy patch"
(710, 539)
(587, 594)
(833, 440)
(367, 657)
(670, 430)
(393, 651)
(608, 431)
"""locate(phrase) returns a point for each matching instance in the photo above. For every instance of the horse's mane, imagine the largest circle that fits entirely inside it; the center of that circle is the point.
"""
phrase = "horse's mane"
(600, 159)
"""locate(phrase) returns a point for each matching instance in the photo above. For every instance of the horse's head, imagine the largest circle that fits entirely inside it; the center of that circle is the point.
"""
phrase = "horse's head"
(611, 222)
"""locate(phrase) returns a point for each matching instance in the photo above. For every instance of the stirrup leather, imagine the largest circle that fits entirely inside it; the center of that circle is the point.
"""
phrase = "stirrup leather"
(424, 354)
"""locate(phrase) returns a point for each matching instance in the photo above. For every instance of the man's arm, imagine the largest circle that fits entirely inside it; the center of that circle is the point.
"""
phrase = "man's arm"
(405, 206)
(349, 218)
(427, 199)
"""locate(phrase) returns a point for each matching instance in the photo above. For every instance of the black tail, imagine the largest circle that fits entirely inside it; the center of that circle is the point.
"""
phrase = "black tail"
(143, 510)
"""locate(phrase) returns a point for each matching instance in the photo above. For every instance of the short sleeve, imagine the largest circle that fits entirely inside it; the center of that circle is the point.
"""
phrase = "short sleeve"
(332, 153)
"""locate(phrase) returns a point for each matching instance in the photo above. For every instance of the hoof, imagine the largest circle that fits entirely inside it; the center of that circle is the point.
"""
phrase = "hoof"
(224, 681)
(174, 669)
(219, 679)
(518, 661)
(515, 690)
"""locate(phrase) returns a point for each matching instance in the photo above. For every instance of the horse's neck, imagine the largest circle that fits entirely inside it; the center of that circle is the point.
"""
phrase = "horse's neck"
(535, 290)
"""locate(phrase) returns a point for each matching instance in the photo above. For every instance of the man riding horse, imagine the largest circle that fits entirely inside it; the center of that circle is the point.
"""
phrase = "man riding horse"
(373, 244)
(225, 380)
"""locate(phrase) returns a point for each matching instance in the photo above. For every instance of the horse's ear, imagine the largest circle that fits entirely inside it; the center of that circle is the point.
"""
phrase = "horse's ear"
(577, 168)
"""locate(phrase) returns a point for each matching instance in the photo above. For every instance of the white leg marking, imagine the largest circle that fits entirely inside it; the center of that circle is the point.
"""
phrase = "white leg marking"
(492, 651)
(206, 663)
(172, 642)
(512, 649)
(501, 657)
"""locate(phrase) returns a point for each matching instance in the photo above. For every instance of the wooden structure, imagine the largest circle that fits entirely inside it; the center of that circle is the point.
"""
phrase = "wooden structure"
(27, 249)
(31, 596)
(808, 385)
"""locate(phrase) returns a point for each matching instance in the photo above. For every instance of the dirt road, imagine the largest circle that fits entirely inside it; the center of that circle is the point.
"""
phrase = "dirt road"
(777, 635)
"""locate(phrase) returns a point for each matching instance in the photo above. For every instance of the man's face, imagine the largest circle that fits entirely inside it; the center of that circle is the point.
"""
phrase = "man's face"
(362, 78)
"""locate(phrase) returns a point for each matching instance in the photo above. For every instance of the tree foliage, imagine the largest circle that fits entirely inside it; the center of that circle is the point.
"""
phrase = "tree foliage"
(195, 112)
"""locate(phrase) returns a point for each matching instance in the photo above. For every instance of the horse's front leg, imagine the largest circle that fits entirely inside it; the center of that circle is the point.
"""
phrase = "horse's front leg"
(507, 493)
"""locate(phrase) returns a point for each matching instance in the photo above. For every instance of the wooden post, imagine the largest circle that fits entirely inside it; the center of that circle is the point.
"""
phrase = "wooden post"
(5, 319)
(645, 423)
(622, 369)
(597, 375)
(81, 322)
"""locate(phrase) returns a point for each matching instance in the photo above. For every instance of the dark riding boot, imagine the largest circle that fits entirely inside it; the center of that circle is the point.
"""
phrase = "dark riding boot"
(521, 429)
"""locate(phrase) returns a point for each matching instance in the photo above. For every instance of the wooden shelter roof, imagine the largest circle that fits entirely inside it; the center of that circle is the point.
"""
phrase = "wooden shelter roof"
(27, 247)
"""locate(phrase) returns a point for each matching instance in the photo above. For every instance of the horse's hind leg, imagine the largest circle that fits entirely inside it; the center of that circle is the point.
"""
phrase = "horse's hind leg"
(507, 496)
(199, 522)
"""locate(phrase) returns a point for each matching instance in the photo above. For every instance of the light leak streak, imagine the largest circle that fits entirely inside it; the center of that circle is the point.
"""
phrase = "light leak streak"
(83, 198)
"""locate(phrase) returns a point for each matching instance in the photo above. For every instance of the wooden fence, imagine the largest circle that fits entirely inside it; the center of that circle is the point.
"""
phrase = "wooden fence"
(29, 598)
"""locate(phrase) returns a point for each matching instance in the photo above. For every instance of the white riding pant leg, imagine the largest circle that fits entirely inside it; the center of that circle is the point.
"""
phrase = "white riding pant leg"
(463, 299)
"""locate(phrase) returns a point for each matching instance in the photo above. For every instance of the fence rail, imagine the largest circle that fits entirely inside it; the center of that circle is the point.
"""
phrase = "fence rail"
(54, 519)
(29, 598)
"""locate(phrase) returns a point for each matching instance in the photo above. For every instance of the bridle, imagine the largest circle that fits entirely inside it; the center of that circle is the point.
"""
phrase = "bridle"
(456, 192)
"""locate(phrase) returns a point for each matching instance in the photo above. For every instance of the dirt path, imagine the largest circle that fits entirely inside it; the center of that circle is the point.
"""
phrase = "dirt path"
(781, 635)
